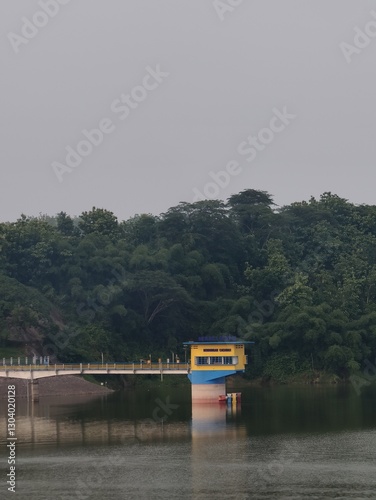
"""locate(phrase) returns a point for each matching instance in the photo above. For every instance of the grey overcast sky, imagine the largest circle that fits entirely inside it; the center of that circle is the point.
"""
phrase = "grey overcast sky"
(179, 88)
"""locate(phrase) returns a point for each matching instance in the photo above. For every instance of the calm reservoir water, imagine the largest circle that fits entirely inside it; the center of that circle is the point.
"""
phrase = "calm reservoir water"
(283, 443)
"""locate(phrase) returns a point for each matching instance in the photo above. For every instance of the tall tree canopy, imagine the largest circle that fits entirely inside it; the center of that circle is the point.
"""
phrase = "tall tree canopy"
(298, 280)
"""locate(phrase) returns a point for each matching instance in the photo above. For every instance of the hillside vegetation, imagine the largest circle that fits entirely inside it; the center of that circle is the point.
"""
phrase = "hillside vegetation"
(300, 281)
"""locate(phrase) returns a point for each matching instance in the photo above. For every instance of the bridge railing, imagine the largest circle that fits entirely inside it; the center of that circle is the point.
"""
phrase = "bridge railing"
(98, 366)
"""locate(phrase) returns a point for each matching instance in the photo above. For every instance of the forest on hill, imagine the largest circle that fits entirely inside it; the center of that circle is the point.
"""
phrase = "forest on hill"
(299, 281)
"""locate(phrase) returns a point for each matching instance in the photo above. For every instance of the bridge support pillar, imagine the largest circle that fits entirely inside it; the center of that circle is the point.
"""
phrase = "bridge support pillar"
(34, 390)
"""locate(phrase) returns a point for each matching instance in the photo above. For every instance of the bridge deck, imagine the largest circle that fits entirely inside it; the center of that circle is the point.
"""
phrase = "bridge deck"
(43, 371)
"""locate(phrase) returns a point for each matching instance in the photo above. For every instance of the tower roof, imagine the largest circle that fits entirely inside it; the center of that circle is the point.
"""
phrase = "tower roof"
(224, 339)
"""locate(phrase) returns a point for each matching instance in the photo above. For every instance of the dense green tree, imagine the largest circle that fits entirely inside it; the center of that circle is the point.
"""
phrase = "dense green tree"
(298, 280)
(99, 220)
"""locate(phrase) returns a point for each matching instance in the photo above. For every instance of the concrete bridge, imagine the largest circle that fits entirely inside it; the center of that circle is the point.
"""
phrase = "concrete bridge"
(212, 361)
(34, 372)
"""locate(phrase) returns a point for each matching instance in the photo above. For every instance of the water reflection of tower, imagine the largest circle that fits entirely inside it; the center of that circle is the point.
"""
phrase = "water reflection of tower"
(217, 440)
(217, 444)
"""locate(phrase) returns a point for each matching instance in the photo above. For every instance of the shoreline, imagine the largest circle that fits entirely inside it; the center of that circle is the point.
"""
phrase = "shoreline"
(75, 385)
(302, 379)
(67, 385)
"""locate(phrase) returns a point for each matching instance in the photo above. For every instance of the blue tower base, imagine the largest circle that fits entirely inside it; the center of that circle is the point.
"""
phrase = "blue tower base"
(208, 385)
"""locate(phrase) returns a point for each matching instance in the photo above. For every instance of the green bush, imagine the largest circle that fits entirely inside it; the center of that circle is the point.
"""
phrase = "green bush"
(279, 367)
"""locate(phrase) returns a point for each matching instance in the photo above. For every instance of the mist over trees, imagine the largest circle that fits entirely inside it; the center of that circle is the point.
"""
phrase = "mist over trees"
(300, 281)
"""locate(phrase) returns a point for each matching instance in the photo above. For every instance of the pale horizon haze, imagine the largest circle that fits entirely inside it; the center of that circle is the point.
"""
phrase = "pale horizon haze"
(179, 86)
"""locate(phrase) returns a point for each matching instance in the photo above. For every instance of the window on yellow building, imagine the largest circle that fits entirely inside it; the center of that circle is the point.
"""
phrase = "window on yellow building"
(216, 360)
(201, 360)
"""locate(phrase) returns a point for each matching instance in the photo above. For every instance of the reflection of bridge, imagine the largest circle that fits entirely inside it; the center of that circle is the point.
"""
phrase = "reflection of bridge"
(34, 372)
(61, 421)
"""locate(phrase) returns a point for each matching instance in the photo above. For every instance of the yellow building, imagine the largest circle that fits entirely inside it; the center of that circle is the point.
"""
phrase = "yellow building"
(212, 359)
